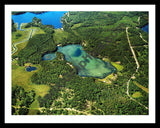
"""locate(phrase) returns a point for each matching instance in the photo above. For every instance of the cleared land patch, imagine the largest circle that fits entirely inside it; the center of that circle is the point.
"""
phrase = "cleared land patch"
(143, 88)
(137, 95)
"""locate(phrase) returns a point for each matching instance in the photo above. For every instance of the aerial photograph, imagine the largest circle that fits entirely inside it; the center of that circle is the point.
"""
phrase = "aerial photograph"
(79, 63)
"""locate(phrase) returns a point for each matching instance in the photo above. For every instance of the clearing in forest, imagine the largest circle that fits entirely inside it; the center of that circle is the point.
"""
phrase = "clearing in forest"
(143, 88)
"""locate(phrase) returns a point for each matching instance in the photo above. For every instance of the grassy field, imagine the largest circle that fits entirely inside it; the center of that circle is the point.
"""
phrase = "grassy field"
(137, 95)
(76, 25)
(115, 64)
(108, 79)
(58, 35)
(37, 30)
(22, 78)
(24, 36)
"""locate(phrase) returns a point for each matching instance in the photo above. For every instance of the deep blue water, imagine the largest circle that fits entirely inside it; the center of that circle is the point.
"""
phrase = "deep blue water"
(145, 28)
(29, 69)
(47, 18)
(77, 52)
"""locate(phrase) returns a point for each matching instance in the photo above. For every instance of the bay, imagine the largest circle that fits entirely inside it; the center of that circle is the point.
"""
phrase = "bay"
(47, 18)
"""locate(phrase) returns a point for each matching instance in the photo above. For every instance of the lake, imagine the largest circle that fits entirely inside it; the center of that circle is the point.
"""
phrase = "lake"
(47, 18)
(145, 28)
(86, 65)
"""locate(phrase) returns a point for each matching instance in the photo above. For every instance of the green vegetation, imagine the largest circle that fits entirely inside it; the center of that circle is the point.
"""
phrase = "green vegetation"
(143, 88)
(36, 47)
(21, 100)
(49, 29)
(13, 26)
(22, 79)
(59, 36)
(144, 95)
(136, 95)
(57, 88)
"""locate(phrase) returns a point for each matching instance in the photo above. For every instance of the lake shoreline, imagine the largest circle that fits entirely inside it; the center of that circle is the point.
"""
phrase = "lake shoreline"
(35, 12)
(86, 65)
(26, 17)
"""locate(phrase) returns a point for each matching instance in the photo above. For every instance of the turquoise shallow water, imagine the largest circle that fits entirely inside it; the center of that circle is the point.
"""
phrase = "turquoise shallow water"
(87, 65)
(49, 56)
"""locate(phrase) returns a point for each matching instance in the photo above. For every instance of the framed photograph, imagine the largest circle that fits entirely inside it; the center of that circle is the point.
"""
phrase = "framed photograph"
(80, 63)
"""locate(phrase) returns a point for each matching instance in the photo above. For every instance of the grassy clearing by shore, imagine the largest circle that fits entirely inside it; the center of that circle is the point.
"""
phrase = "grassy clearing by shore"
(111, 77)
(107, 79)
(115, 64)
(118, 66)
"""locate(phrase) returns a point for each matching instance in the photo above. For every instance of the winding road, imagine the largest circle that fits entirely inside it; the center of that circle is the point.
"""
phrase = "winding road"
(19, 42)
(137, 63)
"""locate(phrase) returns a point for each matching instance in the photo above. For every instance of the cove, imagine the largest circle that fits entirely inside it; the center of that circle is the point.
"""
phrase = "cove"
(145, 28)
(86, 65)
(47, 18)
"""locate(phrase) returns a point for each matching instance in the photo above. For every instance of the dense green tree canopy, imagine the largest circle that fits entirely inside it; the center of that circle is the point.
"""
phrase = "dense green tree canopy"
(102, 35)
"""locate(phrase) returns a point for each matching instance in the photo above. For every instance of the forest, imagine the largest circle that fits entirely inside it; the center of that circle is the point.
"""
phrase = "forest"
(49, 29)
(21, 100)
(102, 35)
(36, 48)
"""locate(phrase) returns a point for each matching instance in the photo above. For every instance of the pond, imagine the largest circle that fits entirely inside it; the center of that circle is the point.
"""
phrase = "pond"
(47, 18)
(49, 56)
(29, 69)
(86, 65)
